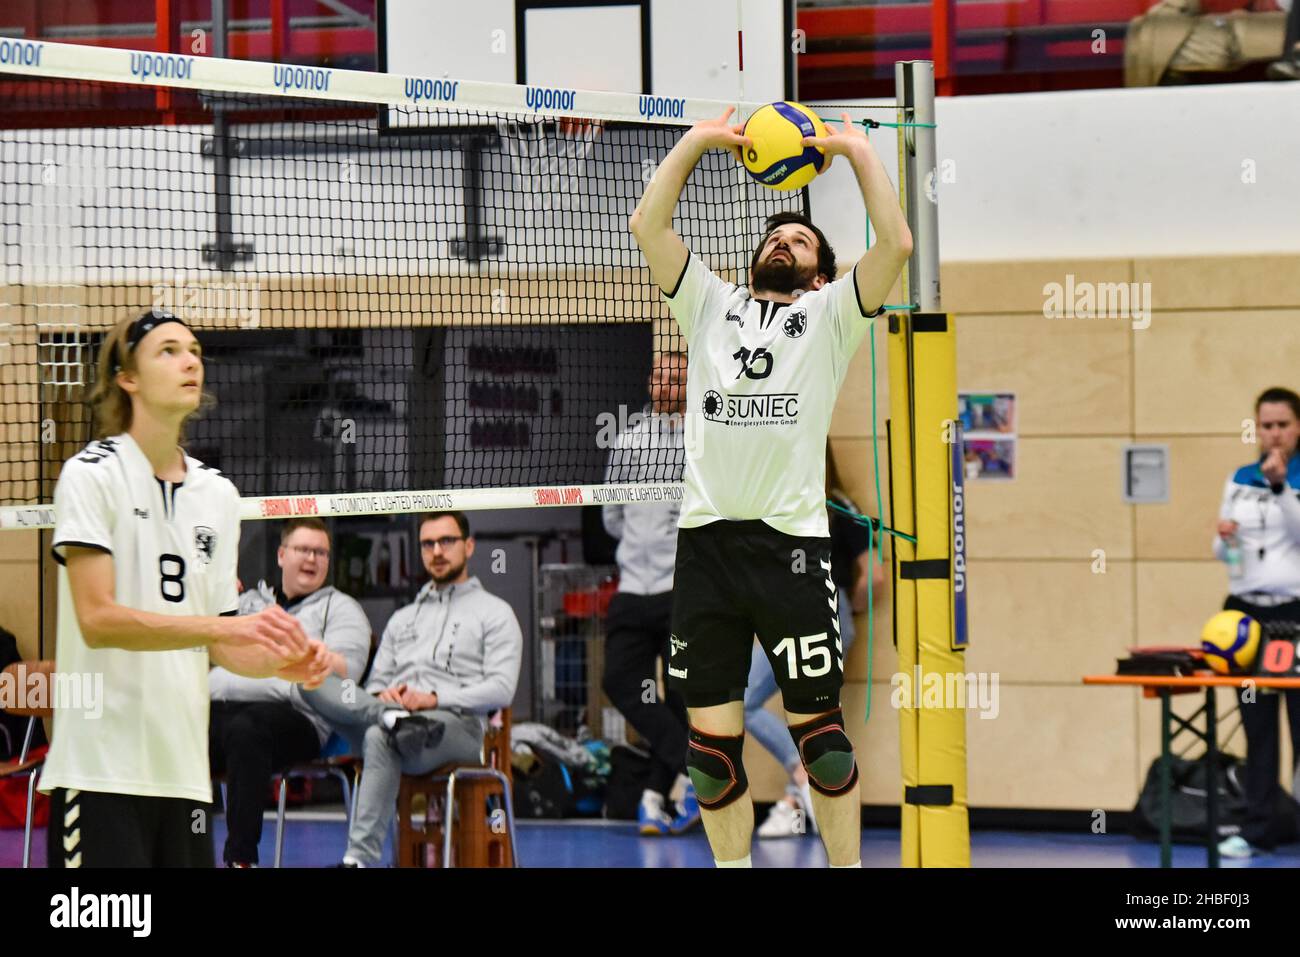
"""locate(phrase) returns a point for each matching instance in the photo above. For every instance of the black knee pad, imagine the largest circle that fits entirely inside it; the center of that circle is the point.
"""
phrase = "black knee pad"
(826, 753)
(714, 765)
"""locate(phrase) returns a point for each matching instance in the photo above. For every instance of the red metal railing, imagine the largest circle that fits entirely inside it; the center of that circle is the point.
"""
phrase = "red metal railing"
(986, 46)
(977, 47)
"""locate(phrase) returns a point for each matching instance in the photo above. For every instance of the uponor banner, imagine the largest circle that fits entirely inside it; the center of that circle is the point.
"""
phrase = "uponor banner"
(106, 64)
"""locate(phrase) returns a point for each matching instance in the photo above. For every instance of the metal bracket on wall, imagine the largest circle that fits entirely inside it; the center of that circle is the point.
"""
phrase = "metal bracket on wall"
(475, 245)
(224, 251)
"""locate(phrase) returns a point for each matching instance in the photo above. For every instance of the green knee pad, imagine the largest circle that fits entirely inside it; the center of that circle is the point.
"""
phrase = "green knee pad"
(826, 753)
(714, 765)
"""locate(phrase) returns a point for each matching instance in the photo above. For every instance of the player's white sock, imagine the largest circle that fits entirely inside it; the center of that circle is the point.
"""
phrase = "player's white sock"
(841, 867)
(389, 718)
(743, 862)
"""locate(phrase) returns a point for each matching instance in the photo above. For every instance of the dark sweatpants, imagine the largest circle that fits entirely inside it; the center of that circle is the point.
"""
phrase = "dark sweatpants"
(248, 741)
(638, 636)
(1259, 718)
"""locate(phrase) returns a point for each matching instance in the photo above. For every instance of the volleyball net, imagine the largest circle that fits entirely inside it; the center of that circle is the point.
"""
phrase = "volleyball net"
(412, 293)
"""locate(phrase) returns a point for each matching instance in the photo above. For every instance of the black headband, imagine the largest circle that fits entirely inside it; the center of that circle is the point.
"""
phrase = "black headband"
(146, 324)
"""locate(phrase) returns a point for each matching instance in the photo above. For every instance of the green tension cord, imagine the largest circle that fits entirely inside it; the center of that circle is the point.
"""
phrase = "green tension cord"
(874, 524)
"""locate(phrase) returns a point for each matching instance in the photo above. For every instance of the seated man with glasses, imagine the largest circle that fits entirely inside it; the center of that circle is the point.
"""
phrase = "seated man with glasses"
(261, 725)
(445, 663)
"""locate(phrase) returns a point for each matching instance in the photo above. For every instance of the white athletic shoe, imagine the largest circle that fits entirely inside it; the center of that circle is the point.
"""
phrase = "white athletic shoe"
(781, 821)
(805, 798)
(651, 818)
(1236, 847)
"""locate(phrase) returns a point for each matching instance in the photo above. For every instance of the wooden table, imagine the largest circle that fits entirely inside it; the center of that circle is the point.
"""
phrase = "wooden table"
(1164, 687)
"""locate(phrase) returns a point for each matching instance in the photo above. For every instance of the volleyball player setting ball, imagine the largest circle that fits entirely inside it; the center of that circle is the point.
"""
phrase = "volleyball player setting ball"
(147, 539)
(753, 552)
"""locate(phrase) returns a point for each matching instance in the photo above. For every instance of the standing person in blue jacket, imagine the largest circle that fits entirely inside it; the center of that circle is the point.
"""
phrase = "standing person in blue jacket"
(446, 661)
(1259, 538)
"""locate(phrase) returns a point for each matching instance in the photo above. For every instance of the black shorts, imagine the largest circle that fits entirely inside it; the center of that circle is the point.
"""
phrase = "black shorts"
(738, 580)
(102, 829)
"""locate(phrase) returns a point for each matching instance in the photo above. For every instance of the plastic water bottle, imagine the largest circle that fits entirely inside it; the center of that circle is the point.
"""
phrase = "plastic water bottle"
(1232, 555)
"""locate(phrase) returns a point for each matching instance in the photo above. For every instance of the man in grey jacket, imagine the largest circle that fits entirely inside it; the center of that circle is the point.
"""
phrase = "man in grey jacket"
(445, 663)
(650, 449)
(260, 725)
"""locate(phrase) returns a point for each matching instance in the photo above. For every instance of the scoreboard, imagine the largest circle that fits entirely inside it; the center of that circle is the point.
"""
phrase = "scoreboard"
(1279, 652)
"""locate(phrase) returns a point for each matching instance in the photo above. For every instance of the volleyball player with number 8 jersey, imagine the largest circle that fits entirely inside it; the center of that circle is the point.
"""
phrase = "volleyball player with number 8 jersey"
(147, 539)
(765, 365)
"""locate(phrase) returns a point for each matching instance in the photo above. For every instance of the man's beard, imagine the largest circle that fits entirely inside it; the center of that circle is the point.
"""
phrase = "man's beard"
(451, 574)
(782, 276)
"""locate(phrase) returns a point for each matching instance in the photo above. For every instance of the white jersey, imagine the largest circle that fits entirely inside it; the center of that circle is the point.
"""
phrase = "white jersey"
(761, 383)
(175, 547)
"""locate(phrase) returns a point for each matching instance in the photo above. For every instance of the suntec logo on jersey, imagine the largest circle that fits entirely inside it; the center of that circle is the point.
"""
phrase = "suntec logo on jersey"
(779, 408)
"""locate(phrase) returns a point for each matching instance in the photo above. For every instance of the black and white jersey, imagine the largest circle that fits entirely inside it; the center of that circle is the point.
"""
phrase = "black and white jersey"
(175, 547)
(761, 383)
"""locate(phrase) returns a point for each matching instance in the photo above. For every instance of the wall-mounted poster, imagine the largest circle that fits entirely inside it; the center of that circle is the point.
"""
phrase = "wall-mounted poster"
(374, 558)
(988, 422)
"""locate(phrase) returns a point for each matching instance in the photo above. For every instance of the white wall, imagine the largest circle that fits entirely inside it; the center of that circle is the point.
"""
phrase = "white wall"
(1034, 176)
(137, 204)
(693, 45)
(1102, 173)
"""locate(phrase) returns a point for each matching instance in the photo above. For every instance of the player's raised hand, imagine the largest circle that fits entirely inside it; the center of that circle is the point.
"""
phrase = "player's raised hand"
(312, 669)
(1274, 467)
(843, 142)
(720, 134)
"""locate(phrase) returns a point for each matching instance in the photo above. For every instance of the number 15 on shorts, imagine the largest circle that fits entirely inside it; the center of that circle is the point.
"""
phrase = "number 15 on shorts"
(808, 656)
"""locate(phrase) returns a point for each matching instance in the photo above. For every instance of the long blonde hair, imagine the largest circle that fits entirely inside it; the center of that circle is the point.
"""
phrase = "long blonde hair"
(111, 403)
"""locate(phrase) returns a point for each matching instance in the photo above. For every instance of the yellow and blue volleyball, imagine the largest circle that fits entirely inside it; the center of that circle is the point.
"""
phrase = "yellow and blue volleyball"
(1230, 642)
(777, 157)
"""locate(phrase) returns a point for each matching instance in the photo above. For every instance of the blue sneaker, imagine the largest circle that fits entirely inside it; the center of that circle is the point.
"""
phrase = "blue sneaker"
(688, 812)
(651, 819)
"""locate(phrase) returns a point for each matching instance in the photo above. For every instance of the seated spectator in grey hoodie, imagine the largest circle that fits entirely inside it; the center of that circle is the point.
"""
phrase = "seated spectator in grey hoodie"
(445, 663)
(259, 726)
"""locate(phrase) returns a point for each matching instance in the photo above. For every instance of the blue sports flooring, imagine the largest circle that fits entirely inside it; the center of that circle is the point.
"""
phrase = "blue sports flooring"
(317, 839)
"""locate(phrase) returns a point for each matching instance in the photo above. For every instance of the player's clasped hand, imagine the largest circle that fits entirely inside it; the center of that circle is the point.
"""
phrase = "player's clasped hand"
(312, 669)
(274, 629)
